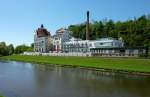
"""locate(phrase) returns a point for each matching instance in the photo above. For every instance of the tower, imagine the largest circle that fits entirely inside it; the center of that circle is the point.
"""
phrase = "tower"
(42, 41)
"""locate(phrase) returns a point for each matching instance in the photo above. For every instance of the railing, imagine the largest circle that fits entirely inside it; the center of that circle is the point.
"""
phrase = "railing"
(57, 54)
(81, 54)
(114, 55)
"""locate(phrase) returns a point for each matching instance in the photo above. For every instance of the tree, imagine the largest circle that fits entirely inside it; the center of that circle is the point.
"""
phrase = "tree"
(4, 51)
(11, 49)
(32, 45)
(109, 28)
(22, 48)
(135, 32)
(98, 29)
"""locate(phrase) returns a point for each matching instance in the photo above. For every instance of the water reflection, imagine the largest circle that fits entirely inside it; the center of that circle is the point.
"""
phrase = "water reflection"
(18, 79)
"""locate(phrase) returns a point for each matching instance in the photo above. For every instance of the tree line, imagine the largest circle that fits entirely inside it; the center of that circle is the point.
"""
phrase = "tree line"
(135, 32)
(6, 50)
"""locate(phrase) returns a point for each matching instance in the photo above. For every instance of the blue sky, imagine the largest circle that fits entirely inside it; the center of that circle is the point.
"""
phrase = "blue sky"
(20, 18)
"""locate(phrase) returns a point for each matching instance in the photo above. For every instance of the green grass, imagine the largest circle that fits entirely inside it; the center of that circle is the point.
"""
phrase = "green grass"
(115, 64)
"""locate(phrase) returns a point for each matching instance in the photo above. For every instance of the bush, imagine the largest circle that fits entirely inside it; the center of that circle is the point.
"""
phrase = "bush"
(22, 48)
(144, 55)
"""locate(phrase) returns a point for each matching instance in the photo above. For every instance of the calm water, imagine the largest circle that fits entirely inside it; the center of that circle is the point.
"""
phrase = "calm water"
(19, 79)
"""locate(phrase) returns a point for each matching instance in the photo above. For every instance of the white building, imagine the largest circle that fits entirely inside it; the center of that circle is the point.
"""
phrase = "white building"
(78, 45)
(107, 43)
(62, 41)
(62, 36)
(42, 40)
(106, 46)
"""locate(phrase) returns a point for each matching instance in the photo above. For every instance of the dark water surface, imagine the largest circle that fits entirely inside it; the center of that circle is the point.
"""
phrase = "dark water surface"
(18, 79)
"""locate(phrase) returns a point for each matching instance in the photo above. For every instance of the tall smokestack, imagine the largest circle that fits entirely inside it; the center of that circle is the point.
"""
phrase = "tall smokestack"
(87, 26)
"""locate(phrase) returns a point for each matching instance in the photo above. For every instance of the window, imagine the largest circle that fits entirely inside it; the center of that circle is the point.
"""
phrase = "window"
(101, 43)
(111, 44)
(90, 44)
(56, 38)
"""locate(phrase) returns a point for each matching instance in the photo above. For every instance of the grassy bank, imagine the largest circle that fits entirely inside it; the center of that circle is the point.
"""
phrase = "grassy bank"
(113, 64)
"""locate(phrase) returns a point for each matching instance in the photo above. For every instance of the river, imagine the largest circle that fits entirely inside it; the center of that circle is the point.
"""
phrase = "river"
(19, 79)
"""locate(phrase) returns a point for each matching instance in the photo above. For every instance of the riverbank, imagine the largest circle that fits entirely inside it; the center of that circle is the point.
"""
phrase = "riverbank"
(121, 65)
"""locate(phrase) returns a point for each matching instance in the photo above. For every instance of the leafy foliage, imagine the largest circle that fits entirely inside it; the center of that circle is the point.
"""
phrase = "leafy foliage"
(22, 48)
(134, 32)
(6, 50)
(9, 50)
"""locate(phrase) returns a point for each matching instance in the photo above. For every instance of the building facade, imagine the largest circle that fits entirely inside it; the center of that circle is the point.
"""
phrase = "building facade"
(78, 45)
(62, 35)
(63, 42)
(106, 46)
(42, 40)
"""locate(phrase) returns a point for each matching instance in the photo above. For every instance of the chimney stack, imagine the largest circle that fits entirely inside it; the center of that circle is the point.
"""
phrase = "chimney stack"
(87, 26)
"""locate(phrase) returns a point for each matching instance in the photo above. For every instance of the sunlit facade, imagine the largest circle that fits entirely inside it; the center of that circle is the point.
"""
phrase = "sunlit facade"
(78, 45)
(42, 41)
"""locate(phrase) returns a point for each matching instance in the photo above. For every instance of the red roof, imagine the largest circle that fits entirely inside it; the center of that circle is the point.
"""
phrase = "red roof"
(42, 32)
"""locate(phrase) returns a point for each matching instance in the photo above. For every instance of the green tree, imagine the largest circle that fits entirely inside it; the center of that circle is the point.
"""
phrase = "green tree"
(22, 48)
(4, 51)
(135, 32)
(11, 49)
(32, 45)
(98, 29)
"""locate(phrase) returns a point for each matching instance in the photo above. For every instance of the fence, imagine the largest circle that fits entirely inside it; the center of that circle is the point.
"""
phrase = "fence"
(57, 54)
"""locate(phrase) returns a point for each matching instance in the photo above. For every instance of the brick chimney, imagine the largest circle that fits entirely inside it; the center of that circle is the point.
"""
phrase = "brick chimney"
(87, 26)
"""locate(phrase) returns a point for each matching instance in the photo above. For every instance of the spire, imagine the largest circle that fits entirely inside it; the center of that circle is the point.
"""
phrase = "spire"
(42, 26)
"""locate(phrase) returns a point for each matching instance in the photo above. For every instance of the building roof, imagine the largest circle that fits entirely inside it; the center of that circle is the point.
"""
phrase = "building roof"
(75, 39)
(42, 32)
(60, 31)
(107, 39)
